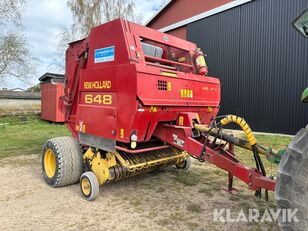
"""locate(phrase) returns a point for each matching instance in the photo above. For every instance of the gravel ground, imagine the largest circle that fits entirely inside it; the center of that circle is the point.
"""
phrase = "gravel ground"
(169, 200)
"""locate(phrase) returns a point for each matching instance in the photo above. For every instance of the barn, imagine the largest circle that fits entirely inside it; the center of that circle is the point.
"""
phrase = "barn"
(251, 45)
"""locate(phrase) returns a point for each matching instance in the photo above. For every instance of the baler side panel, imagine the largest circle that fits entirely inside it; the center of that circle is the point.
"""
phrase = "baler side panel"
(106, 119)
(95, 115)
(127, 105)
(178, 92)
(109, 35)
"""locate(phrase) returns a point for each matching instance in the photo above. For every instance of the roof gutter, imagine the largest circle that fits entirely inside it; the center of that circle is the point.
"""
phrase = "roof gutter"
(158, 12)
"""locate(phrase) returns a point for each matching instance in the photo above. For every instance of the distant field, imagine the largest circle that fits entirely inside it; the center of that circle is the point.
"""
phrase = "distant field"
(26, 135)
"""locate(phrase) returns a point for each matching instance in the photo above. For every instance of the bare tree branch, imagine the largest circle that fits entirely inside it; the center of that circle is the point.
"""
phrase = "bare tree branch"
(88, 14)
(15, 54)
(10, 12)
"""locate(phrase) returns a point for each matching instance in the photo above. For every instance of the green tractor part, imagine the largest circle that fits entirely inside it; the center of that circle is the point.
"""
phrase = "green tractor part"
(304, 98)
(275, 159)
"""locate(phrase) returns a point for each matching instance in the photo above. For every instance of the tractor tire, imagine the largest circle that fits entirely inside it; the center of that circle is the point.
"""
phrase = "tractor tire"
(185, 165)
(291, 190)
(62, 162)
(89, 185)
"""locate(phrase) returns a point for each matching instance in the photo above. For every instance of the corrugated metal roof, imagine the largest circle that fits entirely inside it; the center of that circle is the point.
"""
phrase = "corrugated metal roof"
(48, 76)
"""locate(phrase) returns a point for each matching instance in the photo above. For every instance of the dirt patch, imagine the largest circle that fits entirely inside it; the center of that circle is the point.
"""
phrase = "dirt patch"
(170, 200)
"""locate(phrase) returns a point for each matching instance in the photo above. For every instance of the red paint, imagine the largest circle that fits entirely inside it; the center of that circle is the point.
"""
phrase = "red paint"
(180, 32)
(219, 157)
(133, 83)
(179, 10)
(52, 108)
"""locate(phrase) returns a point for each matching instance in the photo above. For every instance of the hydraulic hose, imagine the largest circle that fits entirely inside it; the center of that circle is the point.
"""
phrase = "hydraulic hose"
(242, 123)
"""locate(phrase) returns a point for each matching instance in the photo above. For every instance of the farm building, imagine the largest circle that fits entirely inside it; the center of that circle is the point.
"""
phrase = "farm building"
(251, 45)
(52, 91)
(18, 102)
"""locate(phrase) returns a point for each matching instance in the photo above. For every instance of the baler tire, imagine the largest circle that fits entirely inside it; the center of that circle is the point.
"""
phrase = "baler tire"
(185, 165)
(291, 190)
(92, 191)
(68, 161)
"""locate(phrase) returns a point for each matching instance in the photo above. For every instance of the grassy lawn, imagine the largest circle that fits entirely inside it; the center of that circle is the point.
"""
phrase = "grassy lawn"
(26, 135)
(276, 142)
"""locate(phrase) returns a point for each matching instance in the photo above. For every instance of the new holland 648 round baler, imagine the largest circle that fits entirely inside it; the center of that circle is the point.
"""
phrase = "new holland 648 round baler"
(136, 100)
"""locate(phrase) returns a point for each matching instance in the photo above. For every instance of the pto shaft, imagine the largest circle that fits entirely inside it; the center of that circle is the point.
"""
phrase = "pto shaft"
(234, 140)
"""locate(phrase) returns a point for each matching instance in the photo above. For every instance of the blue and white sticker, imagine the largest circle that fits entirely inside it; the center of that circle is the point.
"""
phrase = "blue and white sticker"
(105, 54)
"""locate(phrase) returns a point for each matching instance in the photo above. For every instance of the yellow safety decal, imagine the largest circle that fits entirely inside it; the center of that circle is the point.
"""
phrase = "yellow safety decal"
(122, 133)
(197, 117)
(81, 127)
(165, 73)
(186, 93)
(153, 109)
(138, 54)
(181, 120)
(169, 86)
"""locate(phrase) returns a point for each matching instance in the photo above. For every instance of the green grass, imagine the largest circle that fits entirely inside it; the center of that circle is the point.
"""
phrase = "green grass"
(26, 135)
(276, 142)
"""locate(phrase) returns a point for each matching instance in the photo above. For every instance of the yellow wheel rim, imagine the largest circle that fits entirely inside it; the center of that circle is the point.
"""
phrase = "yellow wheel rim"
(85, 186)
(50, 163)
(181, 164)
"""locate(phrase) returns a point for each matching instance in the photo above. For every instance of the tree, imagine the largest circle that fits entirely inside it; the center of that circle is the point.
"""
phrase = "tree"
(10, 11)
(15, 58)
(35, 88)
(88, 14)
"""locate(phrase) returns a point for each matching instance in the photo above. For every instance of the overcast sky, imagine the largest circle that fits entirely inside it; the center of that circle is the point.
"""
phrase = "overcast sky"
(43, 20)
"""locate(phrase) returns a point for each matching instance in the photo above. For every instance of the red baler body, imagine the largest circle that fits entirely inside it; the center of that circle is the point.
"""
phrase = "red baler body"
(142, 93)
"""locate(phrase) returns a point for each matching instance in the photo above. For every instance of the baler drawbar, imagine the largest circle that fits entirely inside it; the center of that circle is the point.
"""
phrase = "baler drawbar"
(138, 100)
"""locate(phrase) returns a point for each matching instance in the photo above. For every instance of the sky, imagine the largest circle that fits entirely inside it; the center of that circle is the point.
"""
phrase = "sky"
(42, 22)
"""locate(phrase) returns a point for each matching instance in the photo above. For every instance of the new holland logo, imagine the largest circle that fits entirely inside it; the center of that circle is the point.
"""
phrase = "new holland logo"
(177, 140)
